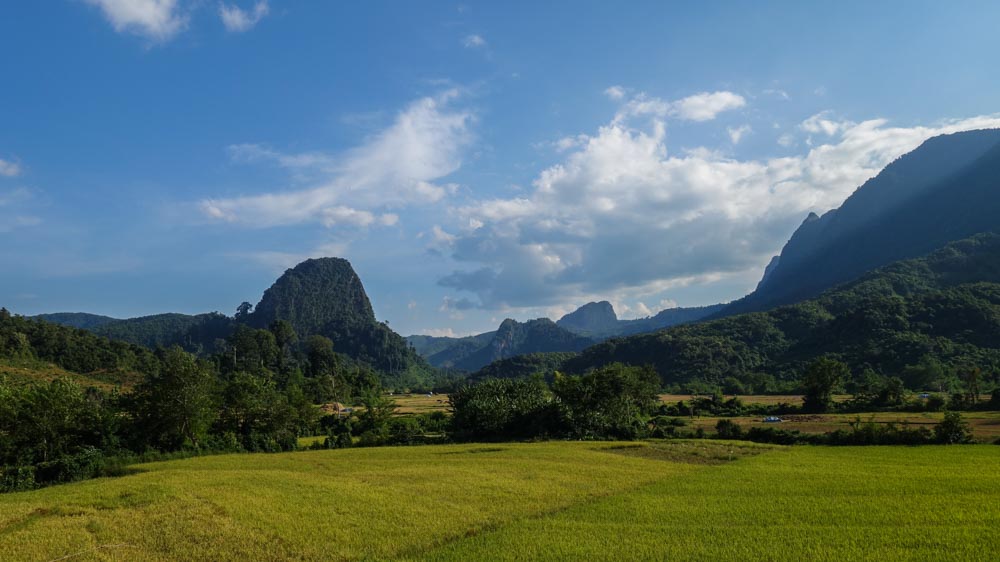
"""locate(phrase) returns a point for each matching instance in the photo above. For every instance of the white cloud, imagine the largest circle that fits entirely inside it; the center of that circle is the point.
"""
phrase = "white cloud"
(619, 216)
(786, 140)
(158, 20)
(9, 168)
(473, 41)
(705, 106)
(699, 107)
(615, 92)
(238, 20)
(395, 168)
(667, 303)
(736, 134)
(778, 93)
(821, 123)
(438, 332)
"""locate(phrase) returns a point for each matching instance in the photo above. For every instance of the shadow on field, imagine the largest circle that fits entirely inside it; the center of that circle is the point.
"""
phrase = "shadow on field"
(475, 451)
(689, 452)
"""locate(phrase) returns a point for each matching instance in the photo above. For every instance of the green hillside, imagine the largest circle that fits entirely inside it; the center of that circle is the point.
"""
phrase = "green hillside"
(915, 319)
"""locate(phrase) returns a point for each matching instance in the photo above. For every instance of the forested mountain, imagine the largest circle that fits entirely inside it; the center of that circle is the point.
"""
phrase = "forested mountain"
(924, 320)
(321, 297)
(945, 190)
(195, 333)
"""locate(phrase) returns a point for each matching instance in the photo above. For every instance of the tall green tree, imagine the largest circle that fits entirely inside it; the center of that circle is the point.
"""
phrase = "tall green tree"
(819, 382)
(176, 407)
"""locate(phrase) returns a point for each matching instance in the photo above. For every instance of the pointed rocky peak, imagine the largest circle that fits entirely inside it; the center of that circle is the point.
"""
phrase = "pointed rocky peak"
(314, 295)
(591, 318)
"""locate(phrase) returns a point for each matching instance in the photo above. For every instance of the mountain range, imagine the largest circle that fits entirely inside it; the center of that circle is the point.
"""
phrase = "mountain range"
(587, 325)
(838, 287)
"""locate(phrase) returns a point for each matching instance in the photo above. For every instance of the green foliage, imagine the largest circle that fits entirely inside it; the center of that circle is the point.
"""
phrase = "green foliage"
(613, 402)
(177, 406)
(497, 409)
(520, 366)
(952, 430)
(820, 379)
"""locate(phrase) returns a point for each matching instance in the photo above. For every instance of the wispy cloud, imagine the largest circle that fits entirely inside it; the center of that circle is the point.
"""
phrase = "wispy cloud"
(238, 20)
(395, 168)
(158, 20)
(736, 134)
(615, 92)
(9, 168)
(14, 212)
(698, 107)
(473, 41)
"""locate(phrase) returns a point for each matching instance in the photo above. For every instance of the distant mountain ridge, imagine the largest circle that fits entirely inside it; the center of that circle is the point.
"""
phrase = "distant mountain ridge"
(947, 189)
(587, 325)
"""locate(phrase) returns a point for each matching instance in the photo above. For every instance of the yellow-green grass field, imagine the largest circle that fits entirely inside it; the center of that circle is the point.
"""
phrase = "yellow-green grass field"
(697, 500)
(420, 403)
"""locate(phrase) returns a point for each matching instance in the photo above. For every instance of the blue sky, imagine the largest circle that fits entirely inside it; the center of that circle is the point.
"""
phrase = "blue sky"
(474, 161)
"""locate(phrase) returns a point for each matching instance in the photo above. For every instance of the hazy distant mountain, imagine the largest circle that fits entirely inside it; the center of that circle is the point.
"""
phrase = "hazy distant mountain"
(945, 190)
(520, 338)
(586, 325)
(76, 319)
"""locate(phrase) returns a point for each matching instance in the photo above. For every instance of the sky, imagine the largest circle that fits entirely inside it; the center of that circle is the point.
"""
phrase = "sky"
(474, 161)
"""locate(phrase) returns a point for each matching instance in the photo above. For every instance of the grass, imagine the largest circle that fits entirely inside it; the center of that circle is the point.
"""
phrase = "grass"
(316, 505)
(420, 403)
(807, 503)
(676, 500)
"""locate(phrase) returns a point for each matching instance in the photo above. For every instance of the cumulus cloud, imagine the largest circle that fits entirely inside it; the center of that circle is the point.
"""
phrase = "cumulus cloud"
(620, 215)
(473, 41)
(238, 20)
(158, 20)
(9, 168)
(821, 123)
(397, 167)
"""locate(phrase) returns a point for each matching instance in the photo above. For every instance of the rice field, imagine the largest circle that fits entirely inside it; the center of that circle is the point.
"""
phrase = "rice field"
(673, 500)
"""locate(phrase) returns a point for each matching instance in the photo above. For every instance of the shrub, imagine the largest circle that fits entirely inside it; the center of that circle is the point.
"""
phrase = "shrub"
(952, 430)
